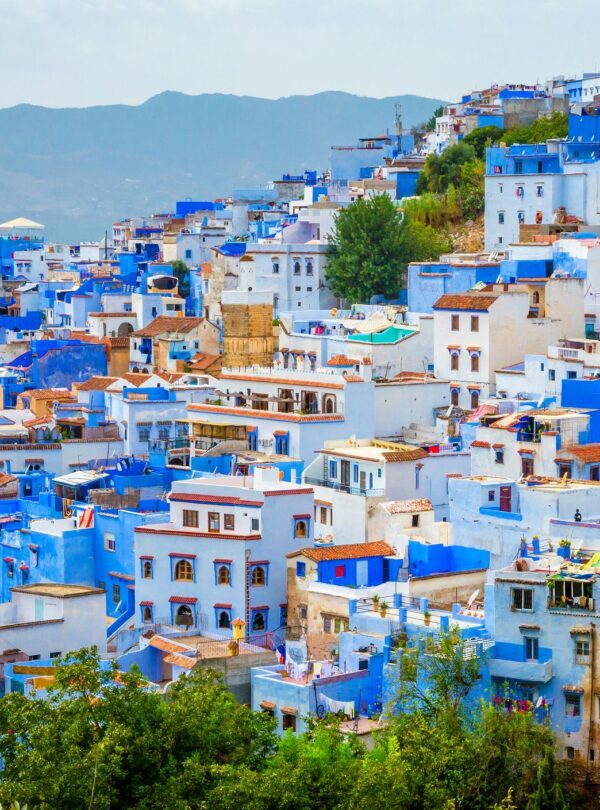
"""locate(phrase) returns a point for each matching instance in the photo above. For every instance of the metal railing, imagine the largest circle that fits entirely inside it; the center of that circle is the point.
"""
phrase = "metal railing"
(351, 490)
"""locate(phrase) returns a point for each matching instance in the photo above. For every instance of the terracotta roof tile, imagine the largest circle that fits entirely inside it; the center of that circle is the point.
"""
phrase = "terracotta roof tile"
(342, 360)
(405, 455)
(350, 551)
(407, 507)
(167, 324)
(203, 361)
(466, 301)
(167, 646)
(584, 452)
(183, 661)
(96, 383)
(478, 443)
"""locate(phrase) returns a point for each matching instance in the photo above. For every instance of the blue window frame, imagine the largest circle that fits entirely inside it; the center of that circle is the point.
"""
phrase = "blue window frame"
(147, 567)
(222, 569)
(259, 573)
(300, 569)
(146, 613)
(183, 567)
(253, 440)
(259, 619)
(333, 469)
(302, 527)
(223, 616)
(355, 473)
(283, 612)
(282, 444)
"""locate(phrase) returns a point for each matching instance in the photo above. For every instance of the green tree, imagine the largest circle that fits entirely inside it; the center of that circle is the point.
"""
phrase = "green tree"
(367, 255)
(552, 126)
(429, 125)
(548, 794)
(481, 138)
(442, 171)
(182, 273)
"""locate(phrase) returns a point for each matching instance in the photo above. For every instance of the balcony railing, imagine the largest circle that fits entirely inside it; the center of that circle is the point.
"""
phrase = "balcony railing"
(350, 490)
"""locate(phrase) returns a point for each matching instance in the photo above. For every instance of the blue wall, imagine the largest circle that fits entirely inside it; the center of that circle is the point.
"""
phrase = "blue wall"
(438, 559)
(584, 394)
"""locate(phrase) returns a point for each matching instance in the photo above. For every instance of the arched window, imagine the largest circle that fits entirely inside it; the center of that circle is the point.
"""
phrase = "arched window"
(296, 268)
(223, 577)
(474, 399)
(224, 620)
(184, 616)
(258, 575)
(163, 433)
(454, 397)
(144, 434)
(536, 297)
(147, 569)
(147, 615)
(309, 268)
(258, 621)
(301, 528)
(329, 403)
(475, 362)
(184, 571)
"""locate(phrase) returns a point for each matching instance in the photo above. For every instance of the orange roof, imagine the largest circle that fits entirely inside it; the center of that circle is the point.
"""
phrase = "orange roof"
(49, 393)
(167, 324)
(405, 455)
(342, 360)
(135, 378)
(228, 375)
(180, 660)
(169, 377)
(350, 551)
(466, 301)
(167, 646)
(584, 452)
(112, 315)
(203, 361)
(96, 384)
(279, 417)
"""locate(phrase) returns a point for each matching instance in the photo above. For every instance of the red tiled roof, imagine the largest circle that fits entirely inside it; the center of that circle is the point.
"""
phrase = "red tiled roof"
(466, 301)
(230, 375)
(223, 605)
(405, 455)
(96, 384)
(183, 661)
(584, 452)
(279, 417)
(227, 500)
(183, 600)
(342, 360)
(166, 646)
(167, 324)
(350, 551)
(146, 603)
(182, 555)
(202, 361)
(478, 443)
(218, 560)
(302, 517)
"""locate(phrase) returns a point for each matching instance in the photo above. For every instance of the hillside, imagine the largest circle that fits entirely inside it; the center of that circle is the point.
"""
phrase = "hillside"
(78, 170)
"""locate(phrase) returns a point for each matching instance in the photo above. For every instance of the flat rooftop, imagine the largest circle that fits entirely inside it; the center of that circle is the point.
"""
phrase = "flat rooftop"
(57, 590)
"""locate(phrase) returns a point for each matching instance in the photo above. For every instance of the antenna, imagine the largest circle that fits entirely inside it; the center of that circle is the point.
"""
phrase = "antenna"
(398, 118)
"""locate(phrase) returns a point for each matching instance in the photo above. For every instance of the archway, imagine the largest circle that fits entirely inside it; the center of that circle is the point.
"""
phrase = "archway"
(124, 329)
(184, 616)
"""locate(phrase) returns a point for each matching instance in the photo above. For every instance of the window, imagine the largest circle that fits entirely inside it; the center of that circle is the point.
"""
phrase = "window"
(223, 575)
(474, 323)
(110, 542)
(474, 399)
(258, 621)
(518, 167)
(340, 571)
(499, 456)
(184, 571)
(301, 529)
(323, 513)
(276, 268)
(214, 522)
(521, 217)
(224, 620)
(302, 612)
(300, 569)
(570, 751)
(55, 654)
(539, 191)
(454, 397)
(163, 433)
(229, 522)
(147, 569)
(415, 521)
(283, 615)
(582, 651)
(190, 518)
(551, 374)
(500, 239)
(259, 577)
(500, 217)
(526, 466)
(572, 705)
(454, 323)
(532, 649)
(571, 375)
(500, 188)
(491, 495)
(309, 268)
(595, 473)
(254, 525)
(522, 598)
(116, 594)
(34, 657)
(454, 361)
(327, 624)
(288, 721)
(564, 469)
(147, 614)
(333, 469)
(144, 434)
(475, 362)
(296, 268)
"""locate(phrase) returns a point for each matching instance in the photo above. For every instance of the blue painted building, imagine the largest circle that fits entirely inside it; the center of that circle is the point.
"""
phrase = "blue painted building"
(428, 281)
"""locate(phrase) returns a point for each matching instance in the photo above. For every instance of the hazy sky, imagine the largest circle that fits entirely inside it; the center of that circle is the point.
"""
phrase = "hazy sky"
(83, 52)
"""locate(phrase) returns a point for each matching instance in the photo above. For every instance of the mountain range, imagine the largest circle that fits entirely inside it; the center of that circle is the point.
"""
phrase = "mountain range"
(77, 170)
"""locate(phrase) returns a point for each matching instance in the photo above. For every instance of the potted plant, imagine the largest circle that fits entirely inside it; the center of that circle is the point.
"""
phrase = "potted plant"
(383, 609)
(427, 618)
(375, 602)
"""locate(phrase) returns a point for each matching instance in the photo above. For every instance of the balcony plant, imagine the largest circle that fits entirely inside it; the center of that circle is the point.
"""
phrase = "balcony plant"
(427, 618)
(383, 609)
(375, 602)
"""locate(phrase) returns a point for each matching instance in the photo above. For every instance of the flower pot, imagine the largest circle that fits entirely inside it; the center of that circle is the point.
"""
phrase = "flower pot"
(382, 612)
(427, 620)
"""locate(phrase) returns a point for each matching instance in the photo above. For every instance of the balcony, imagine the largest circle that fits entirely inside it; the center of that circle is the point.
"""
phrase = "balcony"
(530, 671)
(350, 490)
